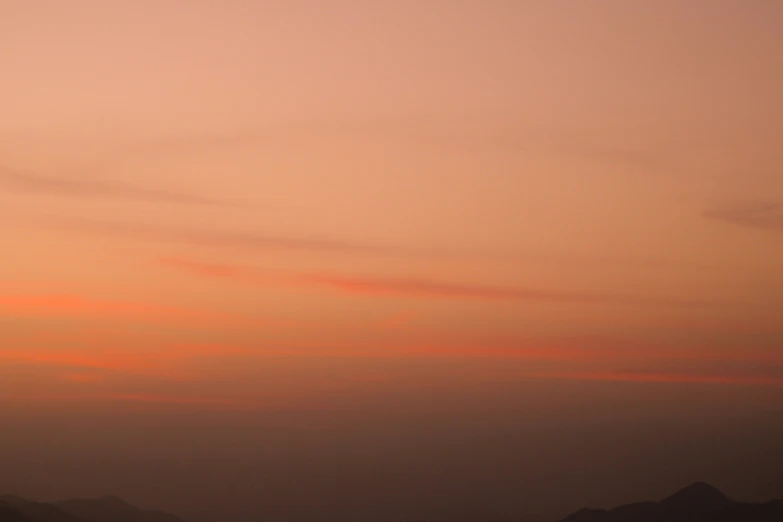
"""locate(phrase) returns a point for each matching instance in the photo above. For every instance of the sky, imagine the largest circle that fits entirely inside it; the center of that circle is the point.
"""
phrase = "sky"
(390, 260)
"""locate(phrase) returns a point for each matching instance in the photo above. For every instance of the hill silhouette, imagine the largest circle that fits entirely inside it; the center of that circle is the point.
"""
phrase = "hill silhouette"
(113, 509)
(698, 502)
(38, 511)
(105, 509)
(9, 514)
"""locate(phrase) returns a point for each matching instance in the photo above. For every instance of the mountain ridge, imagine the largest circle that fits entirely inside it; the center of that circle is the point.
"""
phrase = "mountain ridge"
(103, 509)
(698, 502)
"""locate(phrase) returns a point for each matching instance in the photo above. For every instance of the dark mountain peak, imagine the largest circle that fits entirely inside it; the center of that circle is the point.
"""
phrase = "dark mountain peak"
(698, 502)
(700, 486)
(697, 494)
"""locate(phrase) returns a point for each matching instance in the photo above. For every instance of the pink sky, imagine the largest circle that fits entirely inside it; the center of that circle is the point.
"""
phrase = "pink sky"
(589, 190)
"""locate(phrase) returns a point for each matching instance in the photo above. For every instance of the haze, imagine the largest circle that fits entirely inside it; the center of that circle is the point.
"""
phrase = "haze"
(390, 260)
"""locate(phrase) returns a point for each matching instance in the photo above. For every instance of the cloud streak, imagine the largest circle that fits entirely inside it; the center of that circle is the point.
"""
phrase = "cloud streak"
(69, 305)
(252, 241)
(104, 365)
(105, 359)
(25, 182)
(765, 215)
(164, 361)
(141, 399)
(400, 287)
(666, 377)
(262, 241)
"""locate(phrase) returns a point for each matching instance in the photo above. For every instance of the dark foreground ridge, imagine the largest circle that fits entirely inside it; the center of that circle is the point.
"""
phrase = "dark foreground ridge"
(698, 502)
(106, 509)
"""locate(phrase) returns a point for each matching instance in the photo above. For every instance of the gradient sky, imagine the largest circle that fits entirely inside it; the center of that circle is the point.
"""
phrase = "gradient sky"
(439, 256)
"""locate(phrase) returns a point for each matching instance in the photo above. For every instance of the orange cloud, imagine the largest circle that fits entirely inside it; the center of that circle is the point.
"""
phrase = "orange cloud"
(90, 360)
(142, 399)
(664, 377)
(165, 361)
(210, 238)
(396, 287)
(565, 351)
(27, 182)
(97, 359)
(764, 214)
(168, 399)
(66, 305)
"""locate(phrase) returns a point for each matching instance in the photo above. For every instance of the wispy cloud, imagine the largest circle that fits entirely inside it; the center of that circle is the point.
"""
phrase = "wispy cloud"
(755, 214)
(165, 361)
(253, 241)
(102, 368)
(26, 182)
(171, 361)
(105, 359)
(450, 133)
(139, 399)
(581, 351)
(262, 241)
(69, 305)
(400, 287)
(419, 288)
(666, 377)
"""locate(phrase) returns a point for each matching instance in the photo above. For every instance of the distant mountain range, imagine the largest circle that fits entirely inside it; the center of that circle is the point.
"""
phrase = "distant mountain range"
(106, 509)
(698, 502)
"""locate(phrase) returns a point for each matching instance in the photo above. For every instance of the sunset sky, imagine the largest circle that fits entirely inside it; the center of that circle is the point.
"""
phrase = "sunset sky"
(344, 246)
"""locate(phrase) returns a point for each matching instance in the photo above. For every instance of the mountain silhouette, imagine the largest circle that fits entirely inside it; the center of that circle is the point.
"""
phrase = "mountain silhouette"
(38, 511)
(113, 509)
(698, 502)
(105, 509)
(9, 514)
